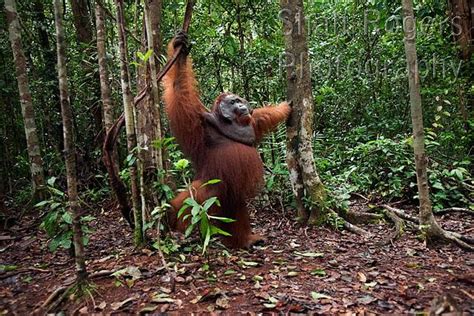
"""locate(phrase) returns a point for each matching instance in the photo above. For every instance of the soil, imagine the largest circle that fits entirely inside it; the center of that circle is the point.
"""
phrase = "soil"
(298, 270)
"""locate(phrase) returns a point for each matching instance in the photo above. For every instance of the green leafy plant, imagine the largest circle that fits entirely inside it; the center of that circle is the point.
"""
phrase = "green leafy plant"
(199, 217)
(58, 220)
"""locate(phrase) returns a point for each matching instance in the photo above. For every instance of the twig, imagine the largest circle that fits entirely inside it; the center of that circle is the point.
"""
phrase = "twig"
(361, 196)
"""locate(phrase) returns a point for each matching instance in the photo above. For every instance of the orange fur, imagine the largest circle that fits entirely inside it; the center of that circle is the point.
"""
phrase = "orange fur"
(214, 156)
(267, 118)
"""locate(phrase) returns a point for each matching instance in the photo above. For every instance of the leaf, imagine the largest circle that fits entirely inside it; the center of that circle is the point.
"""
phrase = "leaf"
(366, 300)
(269, 305)
(212, 181)
(53, 245)
(117, 305)
(204, 227)
(67, 218)
(223, 219)
(361, 277)
(181, 164)
(195, 219)
(189, 230)
(5, 268)
(42, 203)
(56, 192)
(195, 210)
(209, 202)
(206, 240)
(248, 263)
(292, 274)
(257, 278)
(317, 296)
(140, 55)
(131, 271)
(87, 218)
(65, 242)
(229, 272)
(217, 231)
(309, 254)
(318, 272)
(147, 55)
(438, 185)
(51, 181)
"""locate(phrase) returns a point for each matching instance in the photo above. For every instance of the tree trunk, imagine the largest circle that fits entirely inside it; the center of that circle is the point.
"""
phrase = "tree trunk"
(304, 177)
(461, 20)
(152, 21)
(50, 99)
(82, 21)
(427, 221)
(69, 146)
(107, 103)
(32, 142)
(129, 121)
(105, 91)
(243, 67)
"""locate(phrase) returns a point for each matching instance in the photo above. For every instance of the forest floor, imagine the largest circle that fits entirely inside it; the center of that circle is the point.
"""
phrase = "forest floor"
(298, 269)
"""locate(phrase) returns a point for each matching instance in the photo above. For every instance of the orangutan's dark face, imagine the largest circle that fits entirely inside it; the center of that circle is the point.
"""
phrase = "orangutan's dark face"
(234, 108)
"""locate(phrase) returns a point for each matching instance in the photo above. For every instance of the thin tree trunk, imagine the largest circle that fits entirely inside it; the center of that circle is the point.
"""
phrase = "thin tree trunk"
(50, 99)
(129, 122)
(427, 220)
(461, 19)
(32, 142)
(69, 145)
(243, 67)
(304, 177)
(145, 134)
(82, 19)
(107, 103)
(152, 21)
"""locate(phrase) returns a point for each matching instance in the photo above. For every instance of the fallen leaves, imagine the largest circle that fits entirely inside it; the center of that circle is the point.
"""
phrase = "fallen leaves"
(121, 305)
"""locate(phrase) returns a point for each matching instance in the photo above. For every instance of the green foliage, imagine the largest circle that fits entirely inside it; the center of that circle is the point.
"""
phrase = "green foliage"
(58, 220)
(199, 217)
(167, 245)
(359, 85)
(385, 168)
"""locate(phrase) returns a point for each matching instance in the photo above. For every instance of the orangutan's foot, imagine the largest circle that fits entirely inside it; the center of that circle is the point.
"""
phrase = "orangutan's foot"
(255, 239)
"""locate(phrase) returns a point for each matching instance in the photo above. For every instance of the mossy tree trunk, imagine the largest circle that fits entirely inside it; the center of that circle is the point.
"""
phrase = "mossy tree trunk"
(427, 221)
(153, 11)
(27, 109)
(69, 145)
(129, 123)
(304, 177)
